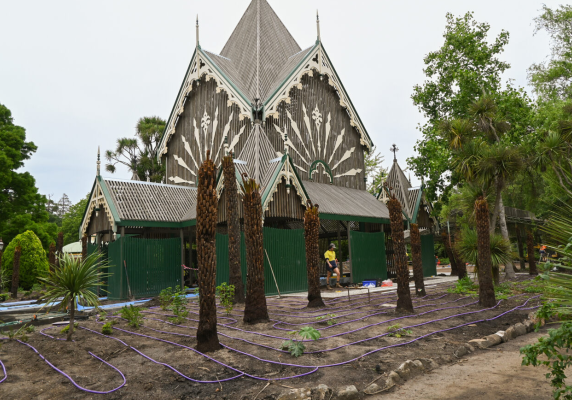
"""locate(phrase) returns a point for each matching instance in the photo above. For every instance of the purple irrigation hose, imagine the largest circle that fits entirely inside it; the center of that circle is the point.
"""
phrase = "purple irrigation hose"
(4, 370)
(69, 377)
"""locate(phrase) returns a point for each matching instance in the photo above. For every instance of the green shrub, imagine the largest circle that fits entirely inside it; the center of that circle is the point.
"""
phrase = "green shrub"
(165, 298)
(295, 346)
(4, 296)
(33, 261)
(107, 329)
(132, 315)
(330, 319)
(67, 328)
(226, 294)
(178, 308)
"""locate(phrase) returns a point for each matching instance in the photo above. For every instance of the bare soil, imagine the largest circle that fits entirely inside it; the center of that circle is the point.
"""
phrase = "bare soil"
(30, 377)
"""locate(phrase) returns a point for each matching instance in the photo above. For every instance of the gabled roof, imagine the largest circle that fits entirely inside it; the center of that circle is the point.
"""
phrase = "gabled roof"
(260, 44)
(257, 153)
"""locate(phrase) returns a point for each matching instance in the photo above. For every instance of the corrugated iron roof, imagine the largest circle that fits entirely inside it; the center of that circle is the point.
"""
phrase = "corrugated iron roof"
(145, 201)
(345, 201)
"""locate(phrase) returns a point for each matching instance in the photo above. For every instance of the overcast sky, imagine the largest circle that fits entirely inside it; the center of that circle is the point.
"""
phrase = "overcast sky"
(78, 74)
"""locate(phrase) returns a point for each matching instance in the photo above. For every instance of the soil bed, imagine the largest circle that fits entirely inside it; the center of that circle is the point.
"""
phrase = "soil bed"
(358, 330)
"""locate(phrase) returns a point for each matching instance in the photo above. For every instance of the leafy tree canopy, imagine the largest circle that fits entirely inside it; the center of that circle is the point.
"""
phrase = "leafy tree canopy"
(139, 154)
(374, 171)
(21, 207)
(72, 220)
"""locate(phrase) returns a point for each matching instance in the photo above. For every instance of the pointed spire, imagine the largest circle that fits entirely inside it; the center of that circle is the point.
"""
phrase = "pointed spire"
(197, 30)
(318, 24)
(98, 161)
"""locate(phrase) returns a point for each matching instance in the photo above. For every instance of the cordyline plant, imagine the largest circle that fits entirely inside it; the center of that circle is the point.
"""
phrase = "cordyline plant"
(233, 221)
(416, 260)
(75, 280)
(404, 303)
(255, 309)
(207, 202)
(311, 236)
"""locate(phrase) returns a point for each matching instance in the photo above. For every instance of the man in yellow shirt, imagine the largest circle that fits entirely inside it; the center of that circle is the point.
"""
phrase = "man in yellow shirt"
(332, 265)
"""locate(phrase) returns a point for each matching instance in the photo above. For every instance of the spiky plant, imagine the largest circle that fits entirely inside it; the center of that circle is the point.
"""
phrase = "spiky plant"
(446, 242)
(530, 249)
(233, 221)
(207, 202)
(416, 260)
(255, 309)
(16, 271)
(311, 236)
(404, 303)
(486, 287)
(74, 281)
(467, 247)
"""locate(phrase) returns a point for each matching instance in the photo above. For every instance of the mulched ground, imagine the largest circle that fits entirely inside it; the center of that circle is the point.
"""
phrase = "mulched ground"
(358, 323)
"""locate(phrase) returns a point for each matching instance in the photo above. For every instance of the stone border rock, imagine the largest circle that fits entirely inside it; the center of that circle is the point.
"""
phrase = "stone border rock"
(412, 368)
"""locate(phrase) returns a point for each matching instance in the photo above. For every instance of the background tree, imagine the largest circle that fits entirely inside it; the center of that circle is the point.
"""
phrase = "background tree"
(312, 236)
(445, 238)
(486, 288)
(21, 207)
(417, 260)
(404, 303)
(530, 250)
(207, 336)
(71, 220)
(52, 255)
(74, 281)
(231, 190)
(255, 309)
(33, 260)
(375, 172)
(139, 154)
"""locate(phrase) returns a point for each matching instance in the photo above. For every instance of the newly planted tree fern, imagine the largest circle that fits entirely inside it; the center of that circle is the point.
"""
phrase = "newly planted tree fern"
(76, 281)
(233, 221)
(311, 236)
(416, 260)
(207, 202)
(255, 309)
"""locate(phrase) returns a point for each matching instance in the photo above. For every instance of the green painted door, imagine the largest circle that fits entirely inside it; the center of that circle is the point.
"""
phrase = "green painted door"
(428, 255)
(368, 256)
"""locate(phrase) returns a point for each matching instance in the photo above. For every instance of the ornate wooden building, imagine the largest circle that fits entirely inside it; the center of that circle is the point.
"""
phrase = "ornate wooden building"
(284, 114)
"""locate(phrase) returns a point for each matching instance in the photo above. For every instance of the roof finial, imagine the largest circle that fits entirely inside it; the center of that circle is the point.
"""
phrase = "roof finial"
(318, 24)
(197, 30)
(394, 149)
(98, 161)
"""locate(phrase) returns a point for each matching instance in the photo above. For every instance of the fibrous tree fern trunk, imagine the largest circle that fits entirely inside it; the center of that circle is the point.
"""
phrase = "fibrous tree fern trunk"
(417, 261)
(486, 288)
(233, 221)
(255, 309)
(530, 249)
(16, 271)
(207, 202)
(311, 235)
(404, 303)
(447, 243)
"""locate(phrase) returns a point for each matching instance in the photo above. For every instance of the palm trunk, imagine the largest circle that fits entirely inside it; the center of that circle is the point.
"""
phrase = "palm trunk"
(71, 325)
(461, 264)
(509, 267)
(311, 236)
(255, 309)
(520, 249)
(530, 249)
(495, 214)
(486, 288)
(207, 203)
(404, 303)
(233, 221)
(417, 261)
(16, 271)
(446, 242)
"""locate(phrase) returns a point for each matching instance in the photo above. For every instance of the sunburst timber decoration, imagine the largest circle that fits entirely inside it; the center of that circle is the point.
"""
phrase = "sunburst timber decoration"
(224, 135)
(351, 172)
(176, 179)
(308, 128)
(235, 139)
(346, 155)
(328, 127)
(205, 122)
(296, 130)
(189, 152)
(317, 117)
(289, 143)
(215, 124)
(183, 164)
(338, 142)
(198, 139)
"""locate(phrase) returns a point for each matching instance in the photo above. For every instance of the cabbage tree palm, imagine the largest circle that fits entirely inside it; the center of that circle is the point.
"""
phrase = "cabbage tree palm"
(76, 281)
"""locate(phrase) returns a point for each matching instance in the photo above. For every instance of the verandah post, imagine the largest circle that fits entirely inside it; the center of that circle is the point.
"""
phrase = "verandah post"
(182, 259)
(350, 253)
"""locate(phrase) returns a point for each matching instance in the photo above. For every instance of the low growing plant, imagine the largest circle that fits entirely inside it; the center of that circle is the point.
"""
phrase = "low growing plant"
(67, 328)
(226, 295)
(330, 319)
(397, 331)
(179, 308)
(295, 346)
(132, 315)
(464, 286)
(107, 328)
(165, 298)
